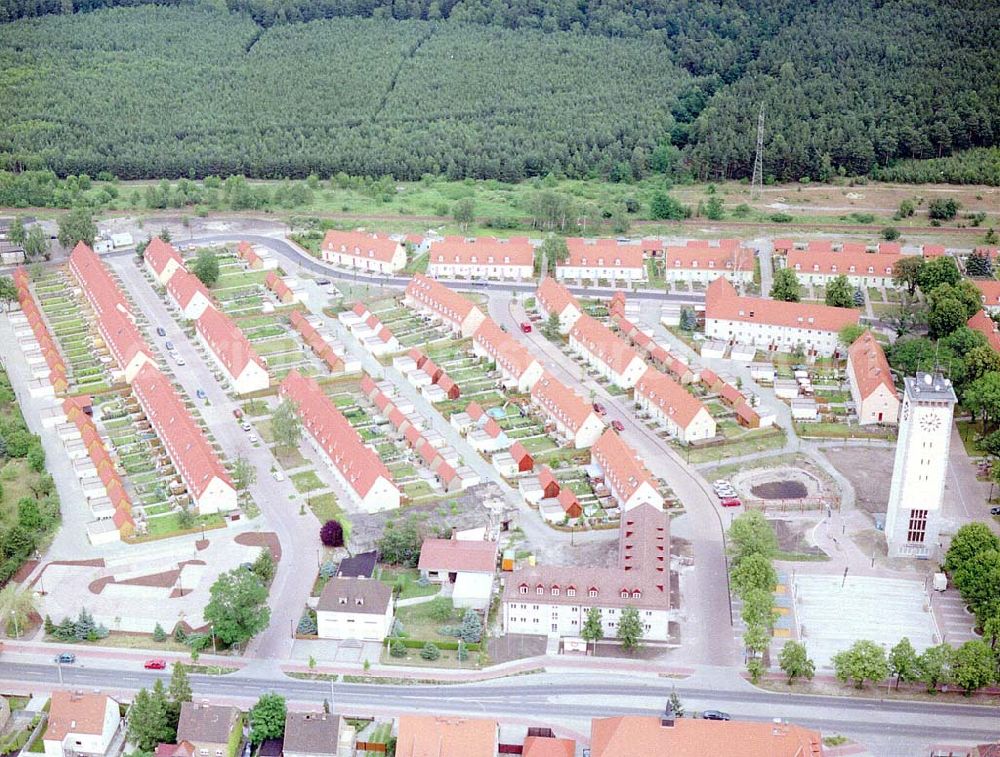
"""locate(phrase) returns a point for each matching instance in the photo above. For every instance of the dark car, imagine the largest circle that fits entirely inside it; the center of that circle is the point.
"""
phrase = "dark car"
(160, 331)
(995, 511)
(617, 425)
(323, 282)
(169, 345)
(65, 657)
(599, 408)
(201, 394)
(715, 715)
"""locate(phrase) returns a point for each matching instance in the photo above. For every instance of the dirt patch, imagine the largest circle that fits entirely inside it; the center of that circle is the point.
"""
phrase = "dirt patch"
(201, 544)
(792, 536)
(515, 646)
(780, 490)
(96, 587)
(866, 468)
(24, 571)
(267, 539)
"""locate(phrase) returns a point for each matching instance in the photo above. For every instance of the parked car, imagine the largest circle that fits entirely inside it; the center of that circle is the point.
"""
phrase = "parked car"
(526, 327)
(617, 425)
(65, 657)
(252, 438)
(278, 475)
(599, 408)
(201, 394)
(995, 511)
(160, 331)
(169, 345)
(237, 413)
(323, 282)
(730, 502)
(179, 360)
(245, 426)
(715, 715)
(155, 664)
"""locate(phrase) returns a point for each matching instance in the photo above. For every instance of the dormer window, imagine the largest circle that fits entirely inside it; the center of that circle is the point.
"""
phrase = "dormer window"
(570, 592)
(636, 594)
(539, 590)
(342, 600)
(359, 601)
(624, 593)
(555, 591)
(524, 589)
(592, 592)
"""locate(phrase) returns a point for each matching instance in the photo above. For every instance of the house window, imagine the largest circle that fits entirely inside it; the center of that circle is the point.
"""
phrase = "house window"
(555, 591)
(593, 592)
(917, 530)
(636, 594)
(539, 590)
(524, 589)
(624, 594)
(571, 592)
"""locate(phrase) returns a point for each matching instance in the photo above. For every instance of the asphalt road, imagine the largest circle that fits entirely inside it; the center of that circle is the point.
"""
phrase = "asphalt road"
(562, 696)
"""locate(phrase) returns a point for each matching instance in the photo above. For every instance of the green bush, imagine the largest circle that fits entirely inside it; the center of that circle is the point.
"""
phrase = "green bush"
(430, 651)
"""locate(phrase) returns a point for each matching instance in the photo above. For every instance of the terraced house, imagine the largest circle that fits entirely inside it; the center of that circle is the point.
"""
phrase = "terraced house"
(773, 325)
(625, 475)
(364, 252)
(704, 261)
(519, 369)
(231, 351)
(207, 482)
(672, 406)
(573, 417)
(162, 260)
(441, 304)
(603, 351)
(357, 466)
(189, 294)
(482, 258)
(872, 387)
(553, 297)
(598, 260)
(818, 263)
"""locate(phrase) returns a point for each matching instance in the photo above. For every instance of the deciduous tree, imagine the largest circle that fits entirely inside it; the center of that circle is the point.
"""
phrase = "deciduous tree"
(267, 718)
(863, 661)
(903, 661)
(973, 665)
(630, 628)
(206, 267)
(286, 425)
(785, 286)
(795, 662)
(77, 226)
(237, 606)
(840, 293)
(750, 533)
(593, 628)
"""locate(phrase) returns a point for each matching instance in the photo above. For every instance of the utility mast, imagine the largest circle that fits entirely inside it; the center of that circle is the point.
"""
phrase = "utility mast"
(757, 183)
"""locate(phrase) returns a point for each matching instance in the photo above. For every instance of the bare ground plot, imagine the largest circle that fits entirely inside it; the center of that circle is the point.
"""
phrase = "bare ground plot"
(792, 539)
(867, 469)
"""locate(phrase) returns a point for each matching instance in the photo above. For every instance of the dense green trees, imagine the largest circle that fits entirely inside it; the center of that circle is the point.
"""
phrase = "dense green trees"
(601, 88)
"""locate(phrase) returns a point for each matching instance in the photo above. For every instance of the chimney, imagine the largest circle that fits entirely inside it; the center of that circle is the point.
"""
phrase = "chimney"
(667, 718)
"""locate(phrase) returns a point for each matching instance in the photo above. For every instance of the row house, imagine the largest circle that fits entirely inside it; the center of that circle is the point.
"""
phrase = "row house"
(862, 268)
(986, 326)
(516, 364)
(199, 467)
(54, 371)
(656, 353)
(97, 283)
(162, 260)
(774, 325)
(555, 600)
(356, 465)
(989, 290)
(322, 347)
(427, 296)
(256, 257)
(872, 387)
(672, 406)
(244, 369)
(481, 258)
(190, 296)
(606, 353)
(552, 298)
(285, 293)
(364, 252)
(627, 478)
(573, 417)
(703, 262)
(602, 259)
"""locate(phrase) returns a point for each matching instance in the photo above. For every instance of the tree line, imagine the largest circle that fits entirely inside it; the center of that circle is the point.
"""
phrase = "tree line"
(502, 88)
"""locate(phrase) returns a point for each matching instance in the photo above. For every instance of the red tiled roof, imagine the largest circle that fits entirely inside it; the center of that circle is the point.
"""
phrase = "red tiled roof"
(418, 356)
(705, 258)
(518, 452)
(448, 304)
(187, 446)
(560, 402)
(475, 410)
(546, 478)
(554, 297)
(482, 251)
(360, 245)
(99, 287)
(932, 250)
(569, 503)
(183, 286)
(723, 303)
(458, 555)
(672, 399)
(990, 291)
(492, 428)
(158, 253)
(622, 469)
(539, 746)
(277, 285)
(602, 253)
(227, 341)
(431, 736)
(74, 712)
(986, 326)
(246, 251)
(867, 361)
(360, 309)
(603, 344)
(850, 260)
(358, 465)
(506, 350)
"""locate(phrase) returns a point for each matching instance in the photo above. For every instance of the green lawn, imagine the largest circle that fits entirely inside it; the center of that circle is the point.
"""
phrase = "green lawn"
(844, 431)
(408, 578)
(306, 481)
(169, 525)
(325, 507)
(419, 621)
(750, 443)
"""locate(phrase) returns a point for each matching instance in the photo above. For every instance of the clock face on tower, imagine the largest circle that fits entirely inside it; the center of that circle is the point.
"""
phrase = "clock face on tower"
(930, 422)
(906, 411)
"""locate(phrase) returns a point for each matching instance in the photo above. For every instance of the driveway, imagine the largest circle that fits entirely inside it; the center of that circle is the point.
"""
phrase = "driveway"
(297, 533)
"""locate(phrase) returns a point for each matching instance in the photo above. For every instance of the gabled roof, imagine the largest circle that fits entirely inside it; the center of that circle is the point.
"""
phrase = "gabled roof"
(851, 259)
(447, 303)
(193, 456)
(990, 291)
(431, 736)
(672, 399)
(602, 253)
(355, 595)
(206, 723)
(183, 287)
(357, 463)
(622, 469)
(311, 732)
(508, 353)
(706, 258)
(554, 297)
(518, 452)
(723, 303)
(986, 326)
(458, 555)
(482, 251)
(560, 402)
(72, 712)
(540, 746)
(475, 410)
(277, 285)
(227, 341)
(360, 245)
(603, 344)
(158, 253)
(867, 362)
(100, 288)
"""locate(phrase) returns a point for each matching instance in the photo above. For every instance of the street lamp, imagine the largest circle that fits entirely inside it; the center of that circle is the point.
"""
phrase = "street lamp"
(13, 617)
(214, 650)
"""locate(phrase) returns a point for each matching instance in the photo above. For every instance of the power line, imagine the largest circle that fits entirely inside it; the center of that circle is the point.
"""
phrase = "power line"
(757, 183)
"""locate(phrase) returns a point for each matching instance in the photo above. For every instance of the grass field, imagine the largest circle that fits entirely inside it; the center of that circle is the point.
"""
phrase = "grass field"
(408, 578)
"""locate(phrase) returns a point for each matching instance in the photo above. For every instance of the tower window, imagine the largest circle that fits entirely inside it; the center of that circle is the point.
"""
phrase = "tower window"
(917, 530)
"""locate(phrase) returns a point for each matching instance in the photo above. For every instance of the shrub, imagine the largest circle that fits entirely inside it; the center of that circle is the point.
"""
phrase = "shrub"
(328, 569)
(397, 648)
(889, 233)
(332, 534)
(781, 218)
(430, 652)
(159, 634)
(307, 624)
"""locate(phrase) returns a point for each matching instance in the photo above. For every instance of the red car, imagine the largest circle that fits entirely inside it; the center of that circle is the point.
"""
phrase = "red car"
(730, 502)
(617, 425)
(526, 327)
(237, 413)
(155, 664)
(599, 408)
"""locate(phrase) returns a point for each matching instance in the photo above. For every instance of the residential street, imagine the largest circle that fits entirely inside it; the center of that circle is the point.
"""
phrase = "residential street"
(296, 532)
